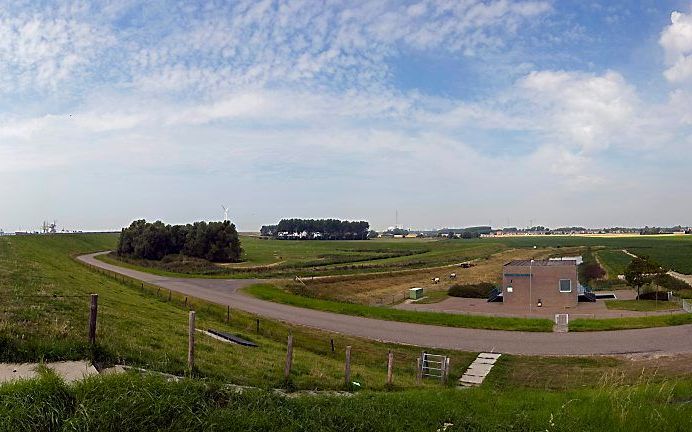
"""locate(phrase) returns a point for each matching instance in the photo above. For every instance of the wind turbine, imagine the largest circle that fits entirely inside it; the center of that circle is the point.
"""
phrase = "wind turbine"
(225, 213)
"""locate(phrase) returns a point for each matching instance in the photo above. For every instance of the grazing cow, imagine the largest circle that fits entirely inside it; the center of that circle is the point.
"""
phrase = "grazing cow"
(453, 276)
(436, 280)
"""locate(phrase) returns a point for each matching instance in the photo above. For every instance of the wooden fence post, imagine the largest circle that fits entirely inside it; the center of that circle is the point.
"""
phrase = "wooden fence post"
(186, 301)
(419, 370)
(93, 311)
(169, 295)
(390, 365)
(228, 314)
(289, 357)
(191, 342)
(257, 325)
(332, 343)
(347, 374)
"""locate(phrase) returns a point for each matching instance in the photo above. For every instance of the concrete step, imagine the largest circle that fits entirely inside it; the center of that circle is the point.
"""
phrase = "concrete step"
(478, 370)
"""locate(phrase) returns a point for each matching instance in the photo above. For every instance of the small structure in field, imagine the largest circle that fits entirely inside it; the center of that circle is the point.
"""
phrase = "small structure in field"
(415, 293)
(540, 283)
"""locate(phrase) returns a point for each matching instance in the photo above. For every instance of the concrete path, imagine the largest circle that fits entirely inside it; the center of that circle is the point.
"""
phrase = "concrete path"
(67, 370)
(676, 339)
(479, 369)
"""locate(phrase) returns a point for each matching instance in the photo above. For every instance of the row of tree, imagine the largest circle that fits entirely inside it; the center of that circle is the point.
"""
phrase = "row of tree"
(213, 241)
(319, 229)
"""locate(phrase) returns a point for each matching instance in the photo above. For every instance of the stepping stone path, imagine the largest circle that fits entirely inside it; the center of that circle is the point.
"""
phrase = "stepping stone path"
(478, 370)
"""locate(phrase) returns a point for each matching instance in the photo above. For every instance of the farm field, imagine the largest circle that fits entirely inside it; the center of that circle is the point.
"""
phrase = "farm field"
(390, 288)
(614, 262)
(268, 258)
(288, 258)
(674, 252)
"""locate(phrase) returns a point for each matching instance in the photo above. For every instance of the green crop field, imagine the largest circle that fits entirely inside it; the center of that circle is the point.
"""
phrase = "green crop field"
(674, 252)
(613, 261)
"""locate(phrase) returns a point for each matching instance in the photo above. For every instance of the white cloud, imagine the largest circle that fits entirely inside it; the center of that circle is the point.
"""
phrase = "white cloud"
(40, 51)
(676, 40)
(590, 111)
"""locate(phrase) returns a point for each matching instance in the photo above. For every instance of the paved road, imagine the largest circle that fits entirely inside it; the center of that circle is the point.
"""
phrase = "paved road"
(664, 339)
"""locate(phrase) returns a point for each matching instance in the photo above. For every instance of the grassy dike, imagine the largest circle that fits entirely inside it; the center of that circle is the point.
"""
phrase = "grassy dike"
(44, 303)
(272, 293)
(140, 403)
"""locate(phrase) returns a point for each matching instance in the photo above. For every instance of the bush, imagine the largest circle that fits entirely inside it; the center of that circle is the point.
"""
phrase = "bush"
(653, 295)
(479, 290)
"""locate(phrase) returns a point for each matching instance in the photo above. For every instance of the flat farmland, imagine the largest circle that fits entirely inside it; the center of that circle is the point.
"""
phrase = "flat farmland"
(672, 251)
(390, 287)
(268, 258)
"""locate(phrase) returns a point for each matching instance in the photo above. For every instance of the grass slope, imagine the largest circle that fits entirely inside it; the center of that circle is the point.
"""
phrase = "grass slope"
(272, 293)
(44, 303)
(134, 403)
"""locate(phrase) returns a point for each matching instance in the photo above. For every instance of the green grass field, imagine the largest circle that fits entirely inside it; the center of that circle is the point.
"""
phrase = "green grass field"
(134, 403)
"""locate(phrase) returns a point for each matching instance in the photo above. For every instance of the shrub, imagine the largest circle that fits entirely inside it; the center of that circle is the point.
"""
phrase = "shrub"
(653, 295)
(479, 290)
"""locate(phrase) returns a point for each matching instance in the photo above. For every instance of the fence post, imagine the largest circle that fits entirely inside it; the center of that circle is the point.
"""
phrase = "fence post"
(390, 364)
(169, 295)
(419, 370)
(185, 301)
(289, 357)
(93, 311)
(191, 342)
(331, 340)
(257, 325)
(347, 374)
(445, 374)
(228, 314)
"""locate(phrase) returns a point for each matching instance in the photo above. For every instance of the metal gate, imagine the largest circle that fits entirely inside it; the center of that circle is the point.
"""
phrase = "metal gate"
(434, 366)
(561, 323)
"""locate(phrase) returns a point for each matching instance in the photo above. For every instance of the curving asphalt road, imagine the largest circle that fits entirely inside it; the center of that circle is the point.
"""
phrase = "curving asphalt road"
(674, 340)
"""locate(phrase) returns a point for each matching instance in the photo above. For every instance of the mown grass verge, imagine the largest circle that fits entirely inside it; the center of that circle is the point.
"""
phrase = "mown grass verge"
(630, 322)
(642, 305)
(272, 293)
(132, 402)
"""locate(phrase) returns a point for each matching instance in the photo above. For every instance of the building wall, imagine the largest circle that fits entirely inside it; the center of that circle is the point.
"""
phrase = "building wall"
(545, 286)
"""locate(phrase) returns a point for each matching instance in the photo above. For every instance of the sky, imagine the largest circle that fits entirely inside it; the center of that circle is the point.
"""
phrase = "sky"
(448, 112)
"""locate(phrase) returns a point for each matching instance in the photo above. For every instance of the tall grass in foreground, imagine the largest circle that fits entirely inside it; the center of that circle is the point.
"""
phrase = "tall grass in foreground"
(137, 403)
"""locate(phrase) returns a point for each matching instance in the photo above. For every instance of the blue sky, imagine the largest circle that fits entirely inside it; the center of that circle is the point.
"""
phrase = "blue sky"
(452, 112)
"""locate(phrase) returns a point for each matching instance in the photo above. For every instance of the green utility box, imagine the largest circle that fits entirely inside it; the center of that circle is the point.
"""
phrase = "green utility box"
(415, 293)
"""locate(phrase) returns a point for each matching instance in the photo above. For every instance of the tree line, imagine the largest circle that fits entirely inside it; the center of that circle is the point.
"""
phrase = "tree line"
(318, 229)
(213, 241)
